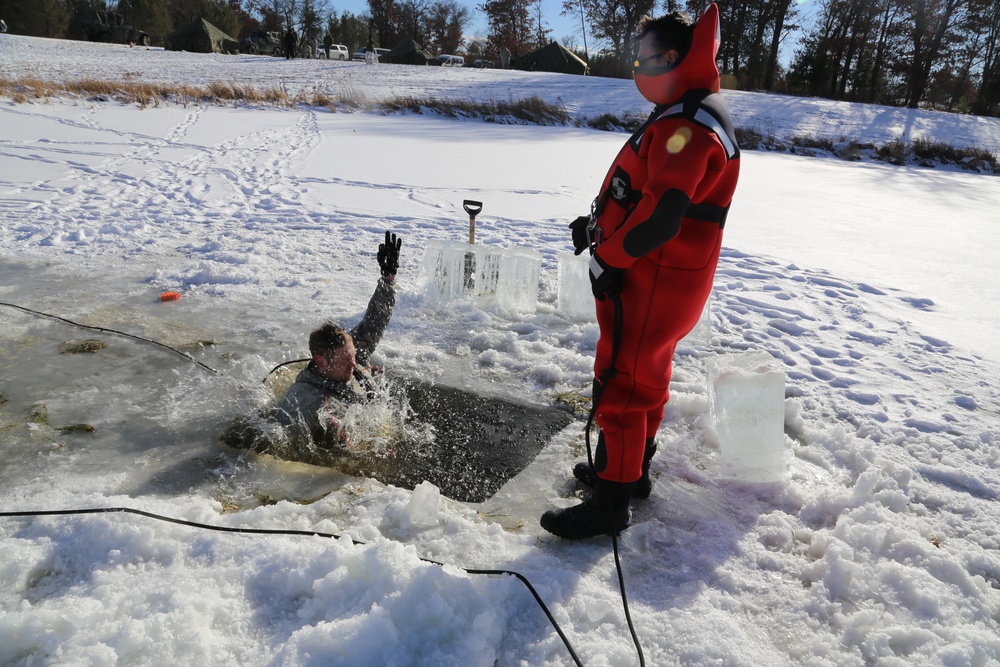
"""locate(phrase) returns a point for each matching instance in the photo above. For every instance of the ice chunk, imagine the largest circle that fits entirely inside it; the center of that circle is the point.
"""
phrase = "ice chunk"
(485, 273)
(576, 300)
(517, 283)
(423, 506)
(746, 399)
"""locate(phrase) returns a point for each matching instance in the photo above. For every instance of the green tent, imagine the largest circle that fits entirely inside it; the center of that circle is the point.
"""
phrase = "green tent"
(553, 57)
(407, 53)
(200, 36)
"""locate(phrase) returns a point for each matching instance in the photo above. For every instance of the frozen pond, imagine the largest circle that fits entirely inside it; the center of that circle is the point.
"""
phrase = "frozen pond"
(103, 406)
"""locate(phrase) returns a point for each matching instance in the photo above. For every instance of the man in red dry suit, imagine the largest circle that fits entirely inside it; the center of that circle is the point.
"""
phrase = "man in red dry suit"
(655, 232)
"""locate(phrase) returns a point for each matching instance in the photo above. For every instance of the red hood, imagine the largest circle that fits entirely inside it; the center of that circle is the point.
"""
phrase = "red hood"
(696, 71)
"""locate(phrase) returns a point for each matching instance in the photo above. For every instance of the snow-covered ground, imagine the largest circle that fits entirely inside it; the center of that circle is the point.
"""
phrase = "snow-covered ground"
(872, 284)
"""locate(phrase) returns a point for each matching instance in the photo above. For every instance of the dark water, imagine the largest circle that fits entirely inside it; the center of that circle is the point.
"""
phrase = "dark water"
(468, 445)
(481, 441)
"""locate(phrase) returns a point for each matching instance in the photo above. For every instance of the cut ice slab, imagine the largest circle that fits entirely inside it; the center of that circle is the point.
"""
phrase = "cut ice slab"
(746, 399)
(576, 299)
(508, 276)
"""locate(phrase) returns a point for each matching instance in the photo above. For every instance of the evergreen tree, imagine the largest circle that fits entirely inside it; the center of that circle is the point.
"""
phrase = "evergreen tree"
(148, 15)
(987, 98)
(38, 18)
(349, 29)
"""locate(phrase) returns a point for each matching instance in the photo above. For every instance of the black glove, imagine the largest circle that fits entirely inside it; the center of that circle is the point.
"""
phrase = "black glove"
(579, 227)
(388, 254)
(608, 280)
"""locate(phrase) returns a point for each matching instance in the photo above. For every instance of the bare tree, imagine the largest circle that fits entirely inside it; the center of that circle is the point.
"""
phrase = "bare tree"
(446, 23)
(613, 23)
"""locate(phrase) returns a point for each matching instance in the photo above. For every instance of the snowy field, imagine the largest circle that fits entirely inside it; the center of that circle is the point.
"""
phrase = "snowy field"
(873, 285)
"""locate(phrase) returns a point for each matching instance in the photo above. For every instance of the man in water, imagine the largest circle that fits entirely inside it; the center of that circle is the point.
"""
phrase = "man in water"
(338, 376)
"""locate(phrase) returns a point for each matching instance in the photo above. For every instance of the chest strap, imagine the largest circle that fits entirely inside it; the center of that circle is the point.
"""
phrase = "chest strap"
(705, 110)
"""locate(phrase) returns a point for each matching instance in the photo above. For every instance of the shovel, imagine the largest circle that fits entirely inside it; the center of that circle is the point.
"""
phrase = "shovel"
(472, 208)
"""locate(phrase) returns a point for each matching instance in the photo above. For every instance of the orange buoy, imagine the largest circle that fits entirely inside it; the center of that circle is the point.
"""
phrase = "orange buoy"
(170, 296)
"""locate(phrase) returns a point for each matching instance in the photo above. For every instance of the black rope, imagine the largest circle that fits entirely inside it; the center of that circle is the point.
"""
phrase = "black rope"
(595, 399)
(621, 586)
(618, 323)
(284, 363)
(113, 331)
(277, 531)
(606, 375)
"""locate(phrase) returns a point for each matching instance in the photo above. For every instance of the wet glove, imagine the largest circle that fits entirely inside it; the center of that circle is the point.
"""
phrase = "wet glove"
(605, 281)
(388, 255)
(580, 240)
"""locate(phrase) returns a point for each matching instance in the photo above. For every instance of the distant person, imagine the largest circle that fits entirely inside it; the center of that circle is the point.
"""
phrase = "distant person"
(327, 43)
(654, 233)
(338, 374)
(291, 39)
(370, 56)
(3, 26)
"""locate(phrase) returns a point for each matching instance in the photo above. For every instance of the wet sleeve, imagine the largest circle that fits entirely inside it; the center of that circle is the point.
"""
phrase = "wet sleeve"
(678, 159)
(368, 332)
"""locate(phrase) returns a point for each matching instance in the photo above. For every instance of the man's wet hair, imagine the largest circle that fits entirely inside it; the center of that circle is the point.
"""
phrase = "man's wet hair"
(327, 338)
(670, 31)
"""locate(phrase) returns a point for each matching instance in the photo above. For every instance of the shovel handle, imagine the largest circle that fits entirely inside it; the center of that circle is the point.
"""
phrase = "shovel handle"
(472, 208)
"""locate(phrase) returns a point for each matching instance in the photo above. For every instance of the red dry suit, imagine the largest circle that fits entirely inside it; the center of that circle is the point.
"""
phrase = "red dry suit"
(659, 216)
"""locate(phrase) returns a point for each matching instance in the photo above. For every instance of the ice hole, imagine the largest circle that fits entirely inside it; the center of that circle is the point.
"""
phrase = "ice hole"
(155, 417)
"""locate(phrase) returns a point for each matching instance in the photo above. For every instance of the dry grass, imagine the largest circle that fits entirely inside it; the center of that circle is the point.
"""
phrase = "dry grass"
(898, 152)
(530, 110)
(131, 91)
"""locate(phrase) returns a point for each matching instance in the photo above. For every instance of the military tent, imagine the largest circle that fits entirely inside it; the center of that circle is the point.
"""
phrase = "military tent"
(200, 36)
(553, 57)
(408, 53)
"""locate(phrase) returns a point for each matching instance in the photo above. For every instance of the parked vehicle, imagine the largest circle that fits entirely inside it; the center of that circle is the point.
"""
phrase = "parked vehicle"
(337, 52)
(360, 55)
(263, 42)
(102, 26)
(446, 60)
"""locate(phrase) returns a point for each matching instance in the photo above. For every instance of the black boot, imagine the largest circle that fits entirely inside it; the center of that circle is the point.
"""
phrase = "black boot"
(644, 486)
(605, 512)
(586, 476)
(584, 472)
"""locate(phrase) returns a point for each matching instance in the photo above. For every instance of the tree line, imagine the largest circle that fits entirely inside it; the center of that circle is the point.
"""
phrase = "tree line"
(438, 25)
(941, 54)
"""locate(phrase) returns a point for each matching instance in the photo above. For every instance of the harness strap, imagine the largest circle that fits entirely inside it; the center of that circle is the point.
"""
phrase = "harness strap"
(708, 213)
(702, 116)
